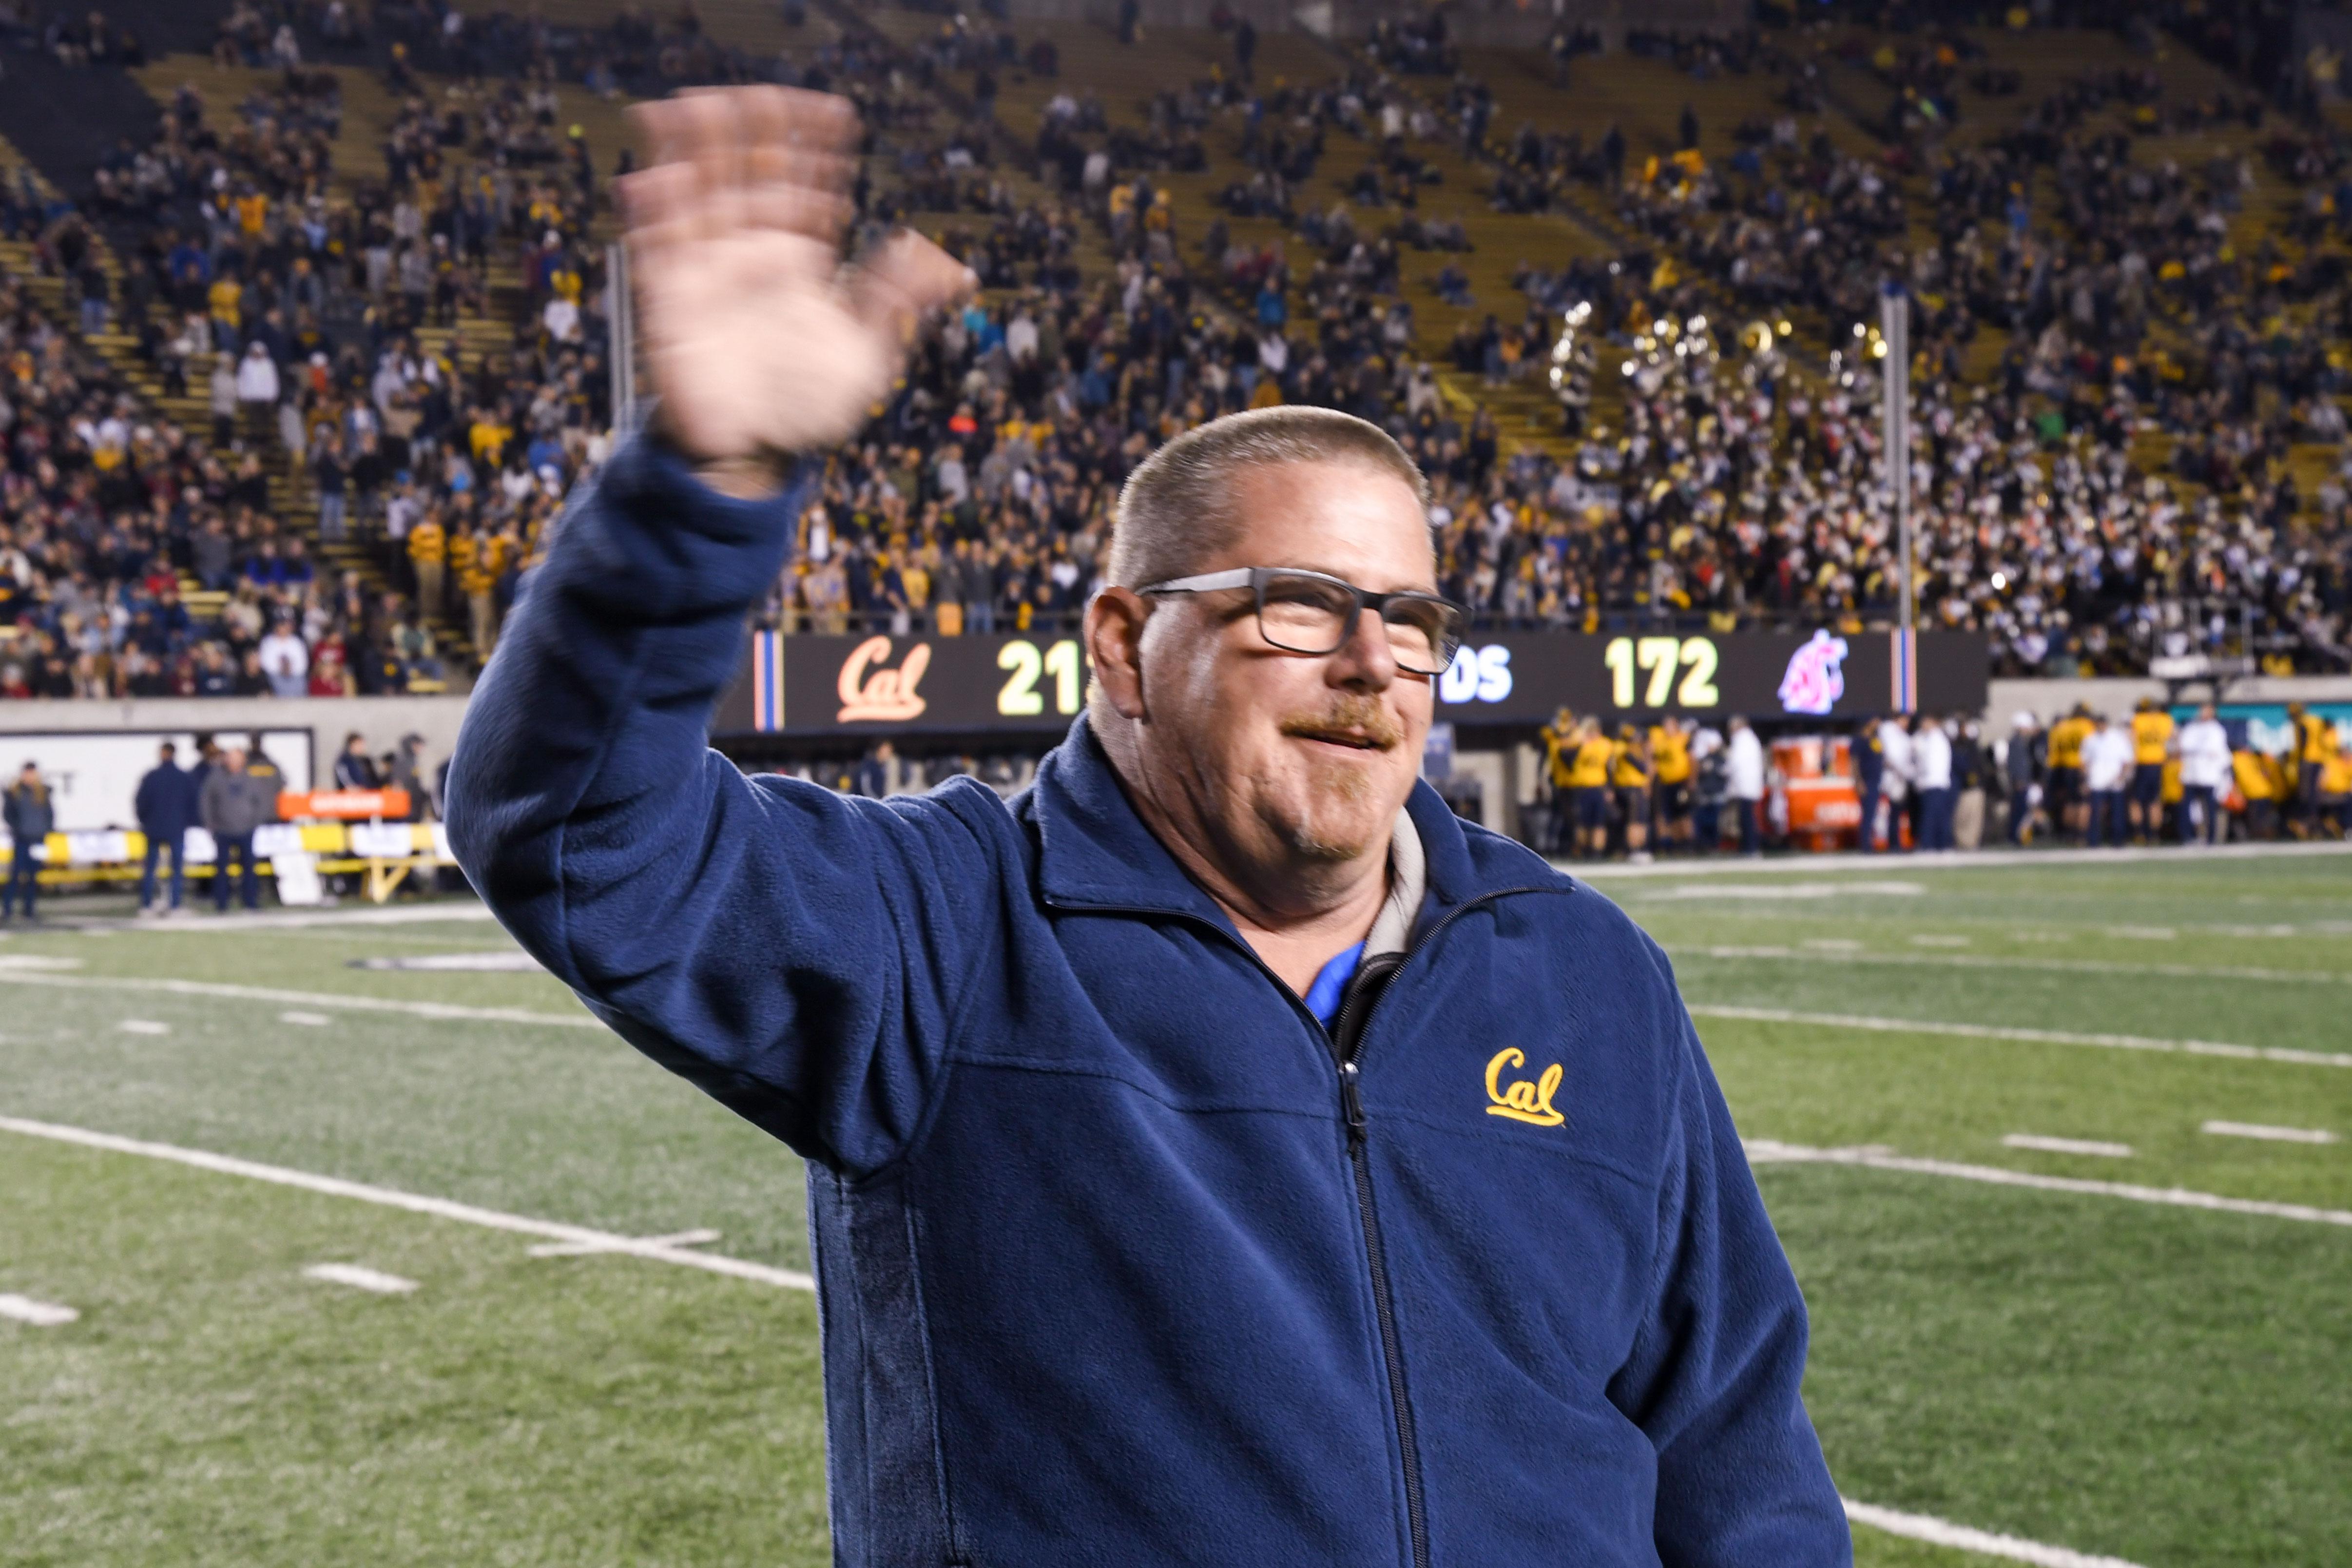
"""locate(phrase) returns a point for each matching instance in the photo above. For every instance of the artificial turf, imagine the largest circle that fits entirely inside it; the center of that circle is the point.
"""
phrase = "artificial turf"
(2160, 1384)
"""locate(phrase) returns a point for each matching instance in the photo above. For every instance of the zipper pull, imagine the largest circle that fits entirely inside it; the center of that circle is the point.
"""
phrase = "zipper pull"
(1352, 1103)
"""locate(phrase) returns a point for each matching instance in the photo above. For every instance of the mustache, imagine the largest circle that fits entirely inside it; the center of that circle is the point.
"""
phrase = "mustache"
(1352, 720)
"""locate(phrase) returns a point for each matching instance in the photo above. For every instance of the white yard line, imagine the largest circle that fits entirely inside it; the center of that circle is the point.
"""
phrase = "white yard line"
(2270, 1134)
(346, 1003)
(1959, 1537)
(582, 1249)
(1987, 960)
(360, 1277)
(440, 1208)
(143, 1026)
(1766, 1152)
(1969, 860)
(40, 1314)
(2031, 1036)
(2048, 1145)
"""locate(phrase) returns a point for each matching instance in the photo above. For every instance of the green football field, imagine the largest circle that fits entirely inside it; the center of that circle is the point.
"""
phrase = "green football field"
(2063, 1154)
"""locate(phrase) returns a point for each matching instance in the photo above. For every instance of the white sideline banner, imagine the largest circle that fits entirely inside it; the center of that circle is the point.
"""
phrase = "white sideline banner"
(94, 775)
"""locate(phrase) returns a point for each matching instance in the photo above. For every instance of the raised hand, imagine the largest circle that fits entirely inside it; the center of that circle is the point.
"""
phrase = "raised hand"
(758, 342)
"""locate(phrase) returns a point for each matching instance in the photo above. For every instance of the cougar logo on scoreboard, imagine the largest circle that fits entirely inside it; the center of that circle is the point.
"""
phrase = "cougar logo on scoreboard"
(1816, 676)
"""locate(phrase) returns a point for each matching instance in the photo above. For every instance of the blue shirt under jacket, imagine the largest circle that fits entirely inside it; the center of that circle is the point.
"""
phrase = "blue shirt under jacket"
(1112, 1269)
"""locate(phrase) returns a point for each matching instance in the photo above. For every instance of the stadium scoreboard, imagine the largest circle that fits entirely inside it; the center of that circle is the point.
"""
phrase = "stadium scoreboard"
(822, 685)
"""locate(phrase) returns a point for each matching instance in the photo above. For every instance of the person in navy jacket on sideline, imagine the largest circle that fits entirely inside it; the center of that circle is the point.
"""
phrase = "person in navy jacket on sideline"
(1218, 1154)
(166, 809)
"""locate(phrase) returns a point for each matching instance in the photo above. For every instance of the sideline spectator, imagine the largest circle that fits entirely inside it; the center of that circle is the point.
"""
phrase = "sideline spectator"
(2205, 765)
(1931, 764)
(2106, 769)
(1744, 784)
(236, 801)
(2151, 738)
(353, 769)
(31, 817)
(1869, 780)
(2022, 767)
(166, 809)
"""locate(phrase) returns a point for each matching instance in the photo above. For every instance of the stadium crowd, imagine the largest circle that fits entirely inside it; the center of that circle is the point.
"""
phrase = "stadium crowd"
(1737, 485)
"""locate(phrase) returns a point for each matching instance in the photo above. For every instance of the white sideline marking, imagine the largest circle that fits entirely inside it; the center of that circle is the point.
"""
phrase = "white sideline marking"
(489, 960)
(391, 1197)
(306, 998)
(1931, 940)
(2067, 1145)
(37, 960)
(1985, 960)
(1943, 1532)
(1832, 945)
(40, 1314)
(143, 1026)
(231, 925)
(1766, 1152)
(2275, 1134)
(582, 1249)
(1785, 891)
(2145, 933)
(2034, 1036)
(359, 1277)
(313, 1019)
(1972, 860)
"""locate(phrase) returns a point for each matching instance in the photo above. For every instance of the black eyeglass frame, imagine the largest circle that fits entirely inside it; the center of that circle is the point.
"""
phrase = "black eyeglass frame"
(1254, 578)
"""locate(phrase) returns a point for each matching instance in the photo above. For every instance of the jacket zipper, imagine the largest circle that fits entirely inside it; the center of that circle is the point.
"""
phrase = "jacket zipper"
(1370, 984)
(1363, 995)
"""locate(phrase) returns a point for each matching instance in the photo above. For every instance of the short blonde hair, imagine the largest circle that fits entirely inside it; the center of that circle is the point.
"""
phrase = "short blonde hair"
(1176, 509)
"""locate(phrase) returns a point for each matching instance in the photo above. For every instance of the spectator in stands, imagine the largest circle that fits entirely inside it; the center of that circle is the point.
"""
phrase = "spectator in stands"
(238, 799)
(30, 818)
(285, 660)
(165, 807)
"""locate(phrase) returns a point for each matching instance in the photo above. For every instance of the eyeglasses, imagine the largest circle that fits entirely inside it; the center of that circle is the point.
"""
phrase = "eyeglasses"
(1300, 611)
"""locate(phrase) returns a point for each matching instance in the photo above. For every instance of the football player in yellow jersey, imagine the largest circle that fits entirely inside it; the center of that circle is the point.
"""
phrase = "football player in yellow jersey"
(2068, 809)
(1559, 739)
(2313, 746)
(2151, 733)
(1670, 757)
(2335, 786)
(1629, 776)
(1588, 783)
(2258, 785)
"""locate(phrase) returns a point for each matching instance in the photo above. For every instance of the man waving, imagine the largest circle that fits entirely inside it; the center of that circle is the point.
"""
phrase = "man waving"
(1221, 1154)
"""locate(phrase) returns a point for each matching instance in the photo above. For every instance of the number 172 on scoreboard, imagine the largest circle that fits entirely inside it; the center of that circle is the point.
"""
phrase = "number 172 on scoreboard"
(1658, 660)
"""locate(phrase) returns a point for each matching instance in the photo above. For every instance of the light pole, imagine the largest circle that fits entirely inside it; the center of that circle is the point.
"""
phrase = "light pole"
(1894, 408)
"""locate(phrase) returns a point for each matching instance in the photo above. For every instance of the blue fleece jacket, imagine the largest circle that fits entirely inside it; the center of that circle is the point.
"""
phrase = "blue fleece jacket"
(1117, 1263)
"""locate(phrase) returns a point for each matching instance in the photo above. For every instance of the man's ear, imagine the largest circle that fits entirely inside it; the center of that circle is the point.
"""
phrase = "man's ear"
(1115, 647)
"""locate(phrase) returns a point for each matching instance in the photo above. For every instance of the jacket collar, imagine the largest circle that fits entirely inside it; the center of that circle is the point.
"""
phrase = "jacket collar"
(1095, 852)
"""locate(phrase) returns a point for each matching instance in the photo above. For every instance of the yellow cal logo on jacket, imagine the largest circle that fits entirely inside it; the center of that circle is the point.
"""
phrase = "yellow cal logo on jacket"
(1523, 1101)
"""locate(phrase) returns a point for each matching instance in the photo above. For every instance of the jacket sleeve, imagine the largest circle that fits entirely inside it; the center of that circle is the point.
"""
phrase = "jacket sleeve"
(1714, 1378)
(798, 955)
